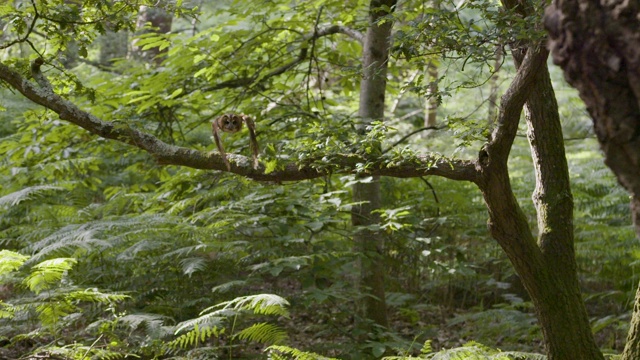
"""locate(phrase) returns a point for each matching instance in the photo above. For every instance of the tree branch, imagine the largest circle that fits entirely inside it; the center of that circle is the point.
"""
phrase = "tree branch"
(167, 154)
(511, 104)
(302, 55)
(28, 33)
(337, 29)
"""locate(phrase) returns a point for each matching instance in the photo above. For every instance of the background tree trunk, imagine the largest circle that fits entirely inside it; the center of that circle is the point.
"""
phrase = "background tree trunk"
(375, 55)
(596, 44)
(431, 105)
(492, 110)
(160, 21)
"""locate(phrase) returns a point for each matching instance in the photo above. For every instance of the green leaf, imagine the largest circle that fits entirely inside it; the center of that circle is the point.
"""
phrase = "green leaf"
(10, 261)
(47, 273)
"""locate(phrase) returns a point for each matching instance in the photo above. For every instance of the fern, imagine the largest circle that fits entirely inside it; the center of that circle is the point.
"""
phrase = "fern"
(47, 273)
(211, 320)
(10, 261)
(222, 288)
(264, 333)
(94, 295)
(280, 352)
(518, 355)
(263, 304)
(206, 320)
(78, 351)
(25, 194)
(195, 336)
(192, 265)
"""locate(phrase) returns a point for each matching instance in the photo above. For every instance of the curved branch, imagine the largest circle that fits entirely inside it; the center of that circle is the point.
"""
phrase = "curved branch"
(26, 36)
(167, 154)
(512, 101)
(338, 29)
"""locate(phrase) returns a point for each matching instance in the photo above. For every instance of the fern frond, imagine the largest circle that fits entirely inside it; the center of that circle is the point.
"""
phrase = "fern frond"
(135, 321)
(476, 351)
(48, 272)
(205, 321)
(192, 265)
(263, 304)
(281, 352)
(26, 194)
(194, 337)
(10, 261)
(94, 295)
(518, 355)
(264, 333)
(426, 348)
(185, 251)
(65, 240)
(222, 288)
(51, 313)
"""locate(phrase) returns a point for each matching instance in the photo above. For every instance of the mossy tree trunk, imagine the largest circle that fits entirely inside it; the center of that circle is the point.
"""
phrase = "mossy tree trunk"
(597, 45)
(546, 265)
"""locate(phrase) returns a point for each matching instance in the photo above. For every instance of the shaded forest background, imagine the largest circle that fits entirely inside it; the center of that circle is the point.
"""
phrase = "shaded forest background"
(111, 254)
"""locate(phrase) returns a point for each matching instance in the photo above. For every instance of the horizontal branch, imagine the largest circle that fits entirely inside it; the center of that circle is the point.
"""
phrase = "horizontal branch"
(167, 154)
(337, 29)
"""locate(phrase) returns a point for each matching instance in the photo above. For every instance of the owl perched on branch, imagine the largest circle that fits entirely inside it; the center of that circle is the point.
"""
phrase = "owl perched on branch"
(232, 123)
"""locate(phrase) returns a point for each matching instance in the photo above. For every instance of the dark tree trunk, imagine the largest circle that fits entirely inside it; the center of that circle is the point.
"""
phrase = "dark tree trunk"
(546, 265)
(597, 44)
(375, 56)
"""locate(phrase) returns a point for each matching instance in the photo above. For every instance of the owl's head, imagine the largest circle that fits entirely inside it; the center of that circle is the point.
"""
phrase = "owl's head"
(230, 123)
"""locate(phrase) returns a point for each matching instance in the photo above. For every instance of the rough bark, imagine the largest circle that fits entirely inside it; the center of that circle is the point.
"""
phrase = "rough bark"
(375, 58)
(546, 267)
(554, 206)
(597, 44)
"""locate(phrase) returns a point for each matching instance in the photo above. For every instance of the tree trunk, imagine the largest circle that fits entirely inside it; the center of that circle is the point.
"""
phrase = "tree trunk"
(433, 100)
(492, 111)
(596, 43)
(375, 56)
(547, 266)
(561, 298)
(160, 21)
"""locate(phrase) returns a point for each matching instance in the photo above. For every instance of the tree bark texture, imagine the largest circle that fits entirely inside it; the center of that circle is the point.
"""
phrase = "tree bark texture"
(547, 266)
(597, 44)
(366, 196)
(554, 206)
